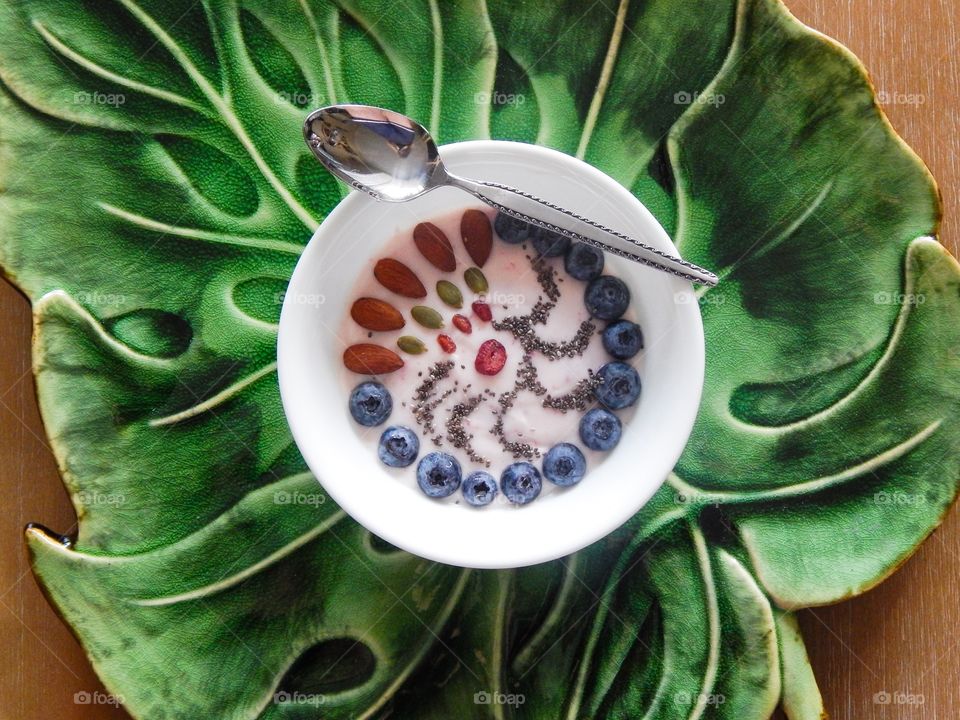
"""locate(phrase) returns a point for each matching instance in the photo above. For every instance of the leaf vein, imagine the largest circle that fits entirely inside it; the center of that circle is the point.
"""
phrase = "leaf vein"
(226, 113)
(322, 49)
(238, 577)
(199, 234)
(61, 47)
(221, 397)
(825, 482)
(606, 73)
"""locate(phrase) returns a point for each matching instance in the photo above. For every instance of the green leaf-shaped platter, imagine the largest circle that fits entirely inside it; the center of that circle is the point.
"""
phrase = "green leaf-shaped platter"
(156, 194)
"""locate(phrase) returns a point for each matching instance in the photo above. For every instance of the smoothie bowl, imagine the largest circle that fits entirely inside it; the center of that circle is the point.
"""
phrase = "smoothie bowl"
(479, 392)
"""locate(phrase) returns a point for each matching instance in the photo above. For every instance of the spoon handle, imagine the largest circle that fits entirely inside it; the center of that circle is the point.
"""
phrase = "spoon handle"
(534, 210)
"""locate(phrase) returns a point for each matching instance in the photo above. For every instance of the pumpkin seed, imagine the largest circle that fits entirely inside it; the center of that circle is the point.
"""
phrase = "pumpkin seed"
(450, 293)
(476, 280)
(411, 344)
(428, 317)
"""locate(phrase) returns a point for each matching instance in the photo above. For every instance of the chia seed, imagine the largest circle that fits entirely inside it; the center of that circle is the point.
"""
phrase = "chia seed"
(547, 277)
(522, 326)
(528, 380)
(459, 437)
(426, 400)
(577, 399)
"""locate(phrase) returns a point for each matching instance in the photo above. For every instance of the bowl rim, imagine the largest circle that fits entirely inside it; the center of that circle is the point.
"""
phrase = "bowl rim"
(424, 544)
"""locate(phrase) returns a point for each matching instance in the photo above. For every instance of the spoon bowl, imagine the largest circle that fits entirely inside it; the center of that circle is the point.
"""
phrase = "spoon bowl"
(383, 153)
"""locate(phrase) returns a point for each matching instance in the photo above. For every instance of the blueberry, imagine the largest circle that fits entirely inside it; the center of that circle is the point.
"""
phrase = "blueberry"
(583, 262)
(549, 244)
(564, 465)
(438, 474)
(479, 488)
(399, 446)
(370, 403)
(619, 385)
(623, 339)
(599, 429)
(521, 483)
(513, 231)
(606, 297)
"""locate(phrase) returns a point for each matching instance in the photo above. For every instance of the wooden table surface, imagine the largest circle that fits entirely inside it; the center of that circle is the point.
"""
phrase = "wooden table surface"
(900, 638)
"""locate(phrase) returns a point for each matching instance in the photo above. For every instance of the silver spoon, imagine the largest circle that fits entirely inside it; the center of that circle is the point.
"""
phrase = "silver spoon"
(390, 157)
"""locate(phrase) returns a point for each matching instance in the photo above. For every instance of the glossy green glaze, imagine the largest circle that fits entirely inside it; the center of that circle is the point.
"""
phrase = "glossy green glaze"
(156, 194)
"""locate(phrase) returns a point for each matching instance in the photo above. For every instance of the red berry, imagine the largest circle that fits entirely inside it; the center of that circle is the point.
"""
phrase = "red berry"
(483, 311)
(462, 323)
(491, 357)
(446, 343)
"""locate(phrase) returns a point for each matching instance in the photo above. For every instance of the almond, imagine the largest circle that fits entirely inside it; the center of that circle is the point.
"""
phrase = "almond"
(398, 278)
(434, 246)
(374, 314)
(369, 359)
(477, 235)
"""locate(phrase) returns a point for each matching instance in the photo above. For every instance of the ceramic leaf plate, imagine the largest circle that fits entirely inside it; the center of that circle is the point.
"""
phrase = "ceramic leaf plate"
(156, 194)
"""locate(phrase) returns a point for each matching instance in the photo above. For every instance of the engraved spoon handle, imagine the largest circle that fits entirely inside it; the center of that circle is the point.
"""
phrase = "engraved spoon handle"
(534, 210)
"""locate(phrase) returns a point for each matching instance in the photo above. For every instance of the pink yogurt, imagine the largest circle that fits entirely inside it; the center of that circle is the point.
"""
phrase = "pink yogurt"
(513, 290)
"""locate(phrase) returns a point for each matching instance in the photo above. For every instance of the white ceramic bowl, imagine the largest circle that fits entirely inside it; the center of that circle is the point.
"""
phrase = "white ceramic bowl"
(499, 535)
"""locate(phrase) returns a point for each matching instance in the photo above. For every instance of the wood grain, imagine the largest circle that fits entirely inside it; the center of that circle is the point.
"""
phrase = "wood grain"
(899, 639)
